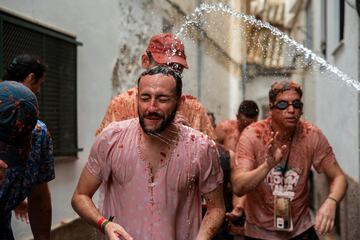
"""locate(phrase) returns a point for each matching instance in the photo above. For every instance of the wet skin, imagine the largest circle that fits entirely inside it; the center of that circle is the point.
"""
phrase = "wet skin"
(157, 102)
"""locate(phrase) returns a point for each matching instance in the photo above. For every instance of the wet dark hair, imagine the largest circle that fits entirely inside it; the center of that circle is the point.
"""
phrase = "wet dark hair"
(22, 65)
(163, 69)
(149, 55)
(249, 109)
(211, 115)
(280, 87)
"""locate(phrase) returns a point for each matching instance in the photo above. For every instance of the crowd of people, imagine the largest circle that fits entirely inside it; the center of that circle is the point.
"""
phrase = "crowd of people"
(164, 167)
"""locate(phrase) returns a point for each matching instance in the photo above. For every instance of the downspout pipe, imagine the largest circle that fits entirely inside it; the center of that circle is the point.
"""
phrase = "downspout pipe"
(199, 60)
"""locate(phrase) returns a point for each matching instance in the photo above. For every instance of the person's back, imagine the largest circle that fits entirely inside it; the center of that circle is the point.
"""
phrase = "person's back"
(18, 115)
(228, 131)
(227, 134)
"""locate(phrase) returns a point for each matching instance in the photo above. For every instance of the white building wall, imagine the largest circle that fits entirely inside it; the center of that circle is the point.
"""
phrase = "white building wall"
(103, 27)
(337, 104)
(235, 95)
(215, 88)
(116, 31)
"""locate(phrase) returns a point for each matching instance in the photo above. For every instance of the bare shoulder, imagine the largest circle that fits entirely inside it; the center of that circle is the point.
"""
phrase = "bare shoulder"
(227, 125)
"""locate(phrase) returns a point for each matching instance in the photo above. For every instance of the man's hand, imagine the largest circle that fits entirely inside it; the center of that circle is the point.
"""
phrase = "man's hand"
(235, 214)
(3, 167)
(275, 153)
(21, 212)
(115, 232)
(236, 221)
(325, 217)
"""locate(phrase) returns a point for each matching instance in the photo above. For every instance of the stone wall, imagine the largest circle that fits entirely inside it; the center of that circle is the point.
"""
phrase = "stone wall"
(348, 218)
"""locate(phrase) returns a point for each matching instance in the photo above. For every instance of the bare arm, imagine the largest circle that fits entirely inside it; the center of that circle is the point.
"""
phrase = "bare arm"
(22, 212)
(3, 167)
(214, 215)
(85, 207)
(244, 181)
(325, 216)
(39, 207)
(238, 208)
(237, 202)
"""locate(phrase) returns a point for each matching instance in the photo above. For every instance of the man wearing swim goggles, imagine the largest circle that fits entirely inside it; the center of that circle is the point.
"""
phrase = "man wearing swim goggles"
(282, 105)
(273, 160)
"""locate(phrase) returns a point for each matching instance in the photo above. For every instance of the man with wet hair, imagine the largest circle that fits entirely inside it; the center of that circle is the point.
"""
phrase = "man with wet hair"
(228, 132)
(30, 180)
(154, 170)
(163, 49)
(273, 161)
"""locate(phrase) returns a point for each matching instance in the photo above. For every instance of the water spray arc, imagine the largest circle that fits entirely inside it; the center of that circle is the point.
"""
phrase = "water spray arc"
(195, 20)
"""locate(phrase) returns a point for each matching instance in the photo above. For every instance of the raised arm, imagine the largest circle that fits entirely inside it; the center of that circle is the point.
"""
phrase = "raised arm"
(246, 179)
(214, 214)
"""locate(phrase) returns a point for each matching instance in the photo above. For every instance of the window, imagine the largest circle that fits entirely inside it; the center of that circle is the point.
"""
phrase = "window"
(57, 99)
(166, 26)
(342, 19)
(309, 27)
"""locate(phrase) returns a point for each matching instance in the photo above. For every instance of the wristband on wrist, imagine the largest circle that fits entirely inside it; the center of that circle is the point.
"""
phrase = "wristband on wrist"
(100, 223)
(103, 225)
(331, 198)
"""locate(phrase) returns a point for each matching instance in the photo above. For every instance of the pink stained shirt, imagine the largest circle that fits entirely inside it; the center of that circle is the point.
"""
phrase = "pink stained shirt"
(170, 206)
(309, 148)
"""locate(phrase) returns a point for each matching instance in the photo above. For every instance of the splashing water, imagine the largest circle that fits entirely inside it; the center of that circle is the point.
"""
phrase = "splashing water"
(196, 20)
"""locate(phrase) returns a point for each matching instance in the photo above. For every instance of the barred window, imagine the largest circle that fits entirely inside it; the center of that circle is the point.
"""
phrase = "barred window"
(58, 51)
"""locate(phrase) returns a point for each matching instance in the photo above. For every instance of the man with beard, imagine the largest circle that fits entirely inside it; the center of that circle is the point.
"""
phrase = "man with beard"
(154, 171)
(163, 49)
(272, 164)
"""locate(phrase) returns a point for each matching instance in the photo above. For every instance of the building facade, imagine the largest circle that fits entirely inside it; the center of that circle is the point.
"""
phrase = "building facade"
(107, 39)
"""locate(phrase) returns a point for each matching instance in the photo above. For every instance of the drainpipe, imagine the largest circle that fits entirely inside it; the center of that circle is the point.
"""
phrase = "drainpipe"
(244, 76)
(199, 59)
(358, 73)
(243, 66)
(199, 65)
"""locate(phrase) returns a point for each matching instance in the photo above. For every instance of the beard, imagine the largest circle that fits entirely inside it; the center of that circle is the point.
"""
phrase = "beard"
(166, 121)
